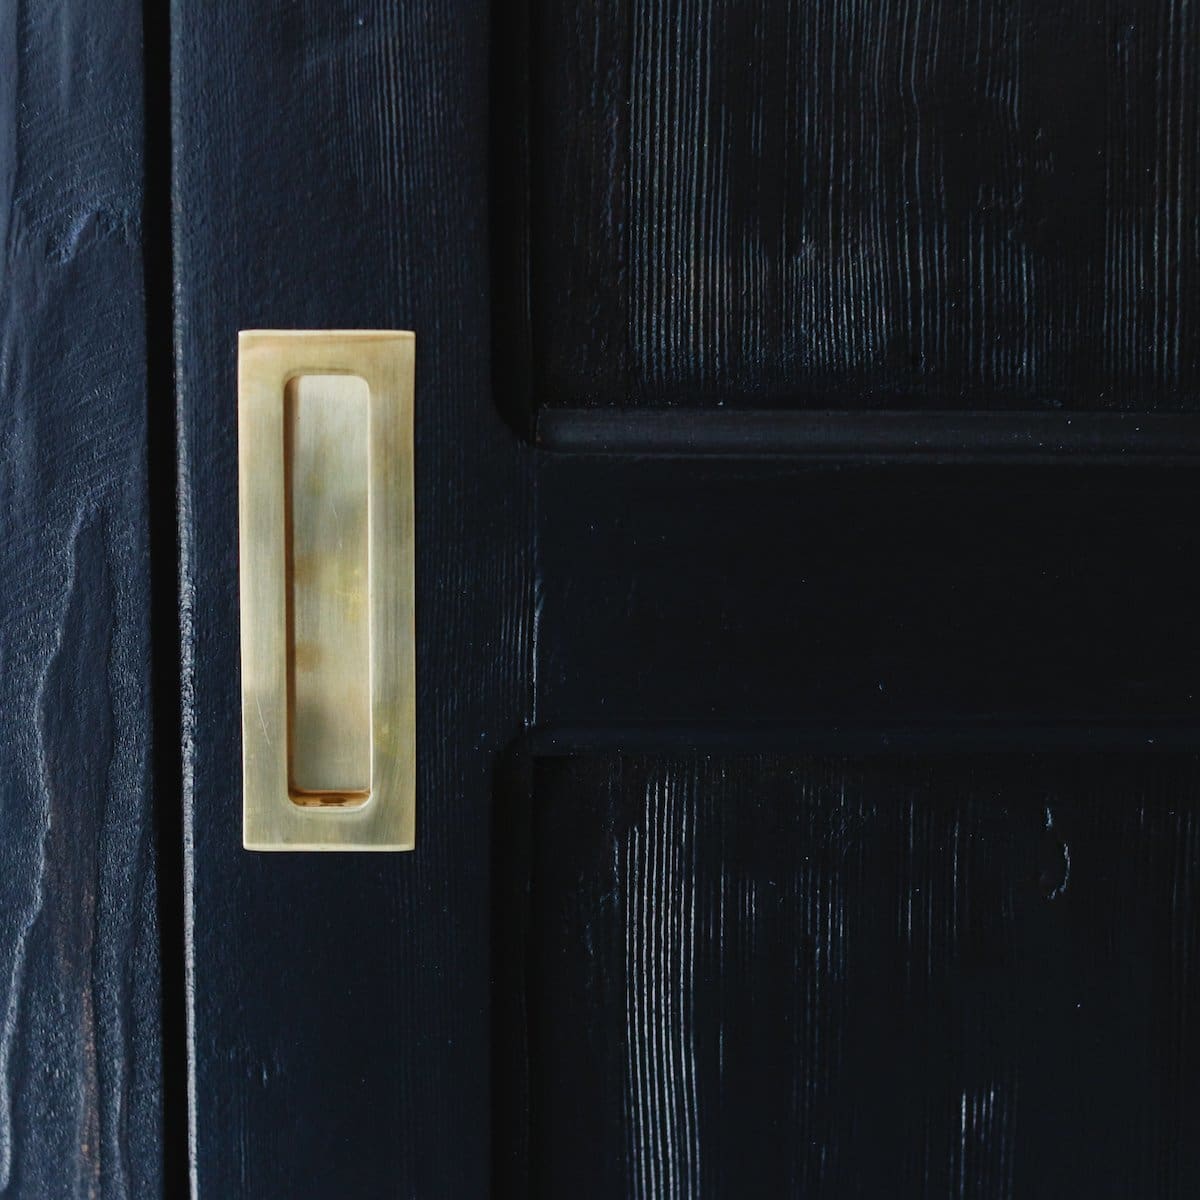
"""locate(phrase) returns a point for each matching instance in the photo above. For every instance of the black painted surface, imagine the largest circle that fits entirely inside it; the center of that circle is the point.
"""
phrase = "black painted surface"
(722, 592)
(80, 1071)
(904, 205)
(963, 974)
(844, 438)
(331, 171)
(706, 931)
(783, 975)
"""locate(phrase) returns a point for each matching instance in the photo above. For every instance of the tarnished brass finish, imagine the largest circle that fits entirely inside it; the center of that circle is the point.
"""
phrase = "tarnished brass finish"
(325, 478)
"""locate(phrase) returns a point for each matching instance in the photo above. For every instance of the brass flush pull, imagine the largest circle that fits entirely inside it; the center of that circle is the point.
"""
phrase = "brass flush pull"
(325, 482)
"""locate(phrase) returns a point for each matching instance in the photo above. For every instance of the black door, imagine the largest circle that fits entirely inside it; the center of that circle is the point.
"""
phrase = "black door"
(806, 436)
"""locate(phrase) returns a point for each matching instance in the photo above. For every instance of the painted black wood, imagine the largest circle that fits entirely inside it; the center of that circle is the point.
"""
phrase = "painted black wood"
(875, 437)
(331, 171)
(786, 975)
(80, 1070)
(728, 959)
(919, 225)
(907, 205)
(712, 592)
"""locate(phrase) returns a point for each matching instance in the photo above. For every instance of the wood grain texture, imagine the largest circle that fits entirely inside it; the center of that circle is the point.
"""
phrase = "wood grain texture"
(331, 171)
(913, 204)
(764, 975)
(80, 1071)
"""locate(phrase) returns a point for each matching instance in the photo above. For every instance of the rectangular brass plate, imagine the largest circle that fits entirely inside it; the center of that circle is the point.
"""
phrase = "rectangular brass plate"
(325, 499)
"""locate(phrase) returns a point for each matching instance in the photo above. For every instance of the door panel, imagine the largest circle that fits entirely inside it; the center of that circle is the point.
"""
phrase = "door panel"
(782, 974)
(862, 206)
(716, 591)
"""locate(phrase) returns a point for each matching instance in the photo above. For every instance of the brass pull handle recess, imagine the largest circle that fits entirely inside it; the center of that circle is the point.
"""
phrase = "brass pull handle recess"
(325, 506)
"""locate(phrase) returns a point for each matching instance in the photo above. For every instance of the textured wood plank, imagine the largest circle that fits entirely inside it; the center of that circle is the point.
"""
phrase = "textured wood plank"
(331, 171)
(908, 204)
(80, 1075)
(773, 975)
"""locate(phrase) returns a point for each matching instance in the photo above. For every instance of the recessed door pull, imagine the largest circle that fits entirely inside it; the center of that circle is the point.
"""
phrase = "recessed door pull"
(325, 504)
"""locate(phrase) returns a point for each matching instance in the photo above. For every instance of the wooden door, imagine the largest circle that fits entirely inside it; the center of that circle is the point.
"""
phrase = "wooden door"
(805, 623)
(806, 435)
